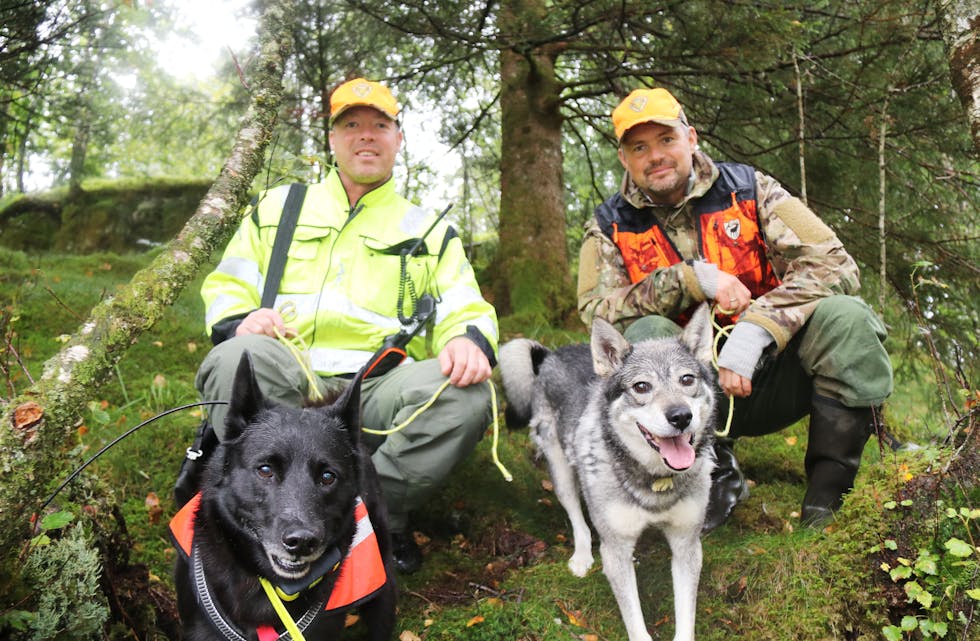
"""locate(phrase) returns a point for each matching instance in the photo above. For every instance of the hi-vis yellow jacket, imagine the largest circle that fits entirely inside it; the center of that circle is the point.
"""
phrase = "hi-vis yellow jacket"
(343, 275)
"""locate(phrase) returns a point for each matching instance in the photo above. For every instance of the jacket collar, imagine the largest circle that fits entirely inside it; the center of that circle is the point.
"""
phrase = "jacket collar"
(378, 196)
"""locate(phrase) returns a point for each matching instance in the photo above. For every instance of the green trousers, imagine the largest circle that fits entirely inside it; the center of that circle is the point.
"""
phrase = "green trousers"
(411, 463)
(838, 354)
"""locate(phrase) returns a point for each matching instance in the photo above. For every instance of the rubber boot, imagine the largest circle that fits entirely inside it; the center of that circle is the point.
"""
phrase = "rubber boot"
(833, 454)
(408, 556)
(728, 485)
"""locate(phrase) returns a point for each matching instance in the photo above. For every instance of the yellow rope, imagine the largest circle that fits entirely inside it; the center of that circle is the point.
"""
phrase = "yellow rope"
(298, 348)
(722, 331)
(280, 608)
(414, 415)
(300, 351)
(496, 424)
(496, 433)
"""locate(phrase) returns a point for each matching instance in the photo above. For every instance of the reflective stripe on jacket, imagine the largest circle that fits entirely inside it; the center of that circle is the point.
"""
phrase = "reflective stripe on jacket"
(343, 274)
(728, 232)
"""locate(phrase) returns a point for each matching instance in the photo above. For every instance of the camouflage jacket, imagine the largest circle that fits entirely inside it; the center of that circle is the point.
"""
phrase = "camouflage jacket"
(805, 254)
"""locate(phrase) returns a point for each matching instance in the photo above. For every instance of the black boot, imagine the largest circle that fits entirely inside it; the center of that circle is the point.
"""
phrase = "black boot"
(833, 454)
(728, 485)
(408, 555)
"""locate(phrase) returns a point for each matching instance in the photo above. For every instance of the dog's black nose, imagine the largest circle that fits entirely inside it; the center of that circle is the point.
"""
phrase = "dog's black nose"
(679, 416)
(299, 541)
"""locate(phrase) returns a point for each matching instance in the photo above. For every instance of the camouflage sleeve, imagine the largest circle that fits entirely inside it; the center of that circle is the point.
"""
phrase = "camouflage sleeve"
(605, 289)
(808, 258)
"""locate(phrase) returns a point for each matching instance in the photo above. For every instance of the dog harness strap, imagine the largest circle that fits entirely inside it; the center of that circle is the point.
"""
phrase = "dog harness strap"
(287, 619)
(207, 603)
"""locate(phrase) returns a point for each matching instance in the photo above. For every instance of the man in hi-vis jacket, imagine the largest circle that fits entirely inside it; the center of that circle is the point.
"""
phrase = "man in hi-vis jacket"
(346, 286)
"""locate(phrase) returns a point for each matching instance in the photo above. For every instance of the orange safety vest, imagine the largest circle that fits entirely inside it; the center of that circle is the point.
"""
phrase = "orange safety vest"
(362, 571)
(728, 232)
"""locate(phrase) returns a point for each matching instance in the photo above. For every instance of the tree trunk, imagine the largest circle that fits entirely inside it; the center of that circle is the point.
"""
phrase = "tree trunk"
(960, 25)
(79, 147)
(533, 279)
(37, 425)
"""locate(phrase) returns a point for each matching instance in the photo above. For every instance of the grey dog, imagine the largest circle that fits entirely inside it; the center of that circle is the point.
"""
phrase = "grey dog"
(630, 427)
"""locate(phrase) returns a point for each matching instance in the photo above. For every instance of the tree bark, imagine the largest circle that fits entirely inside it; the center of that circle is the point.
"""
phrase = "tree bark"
(960, 25)
(37, 424)
(533, 280)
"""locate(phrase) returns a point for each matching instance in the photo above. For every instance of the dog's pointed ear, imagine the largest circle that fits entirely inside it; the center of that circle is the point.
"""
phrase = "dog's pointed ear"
(698, 336)
(246, 399)
(348, 409)
(609, 348)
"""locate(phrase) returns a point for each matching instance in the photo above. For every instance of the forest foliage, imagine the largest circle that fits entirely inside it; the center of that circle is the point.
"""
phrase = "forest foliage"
(848, 104)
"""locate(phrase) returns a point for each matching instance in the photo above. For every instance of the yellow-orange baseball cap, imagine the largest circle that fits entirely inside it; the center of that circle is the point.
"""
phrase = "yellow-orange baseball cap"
(363, 93)
(647, 105)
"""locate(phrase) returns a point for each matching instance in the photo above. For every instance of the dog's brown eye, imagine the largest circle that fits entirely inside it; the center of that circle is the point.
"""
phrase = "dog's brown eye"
(642, 387)
(327, 478)
(265, 471)
(688, 379)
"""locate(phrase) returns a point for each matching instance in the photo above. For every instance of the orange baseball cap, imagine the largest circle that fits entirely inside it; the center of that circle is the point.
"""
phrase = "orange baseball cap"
(363, 93)
(647, 105)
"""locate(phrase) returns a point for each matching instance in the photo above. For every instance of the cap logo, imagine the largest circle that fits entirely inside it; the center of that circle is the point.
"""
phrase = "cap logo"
(361, 89)
(638, 104)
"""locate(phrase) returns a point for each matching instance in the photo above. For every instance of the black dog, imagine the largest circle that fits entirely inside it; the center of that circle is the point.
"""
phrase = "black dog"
(284, 500)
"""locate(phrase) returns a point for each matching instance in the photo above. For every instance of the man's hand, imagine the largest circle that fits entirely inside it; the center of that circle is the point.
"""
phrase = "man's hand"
(464, 363)
(734, 384)
(264, 321)
(732, 296)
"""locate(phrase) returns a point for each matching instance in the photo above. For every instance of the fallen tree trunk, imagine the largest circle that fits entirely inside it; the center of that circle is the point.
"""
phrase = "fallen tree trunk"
(38, 423)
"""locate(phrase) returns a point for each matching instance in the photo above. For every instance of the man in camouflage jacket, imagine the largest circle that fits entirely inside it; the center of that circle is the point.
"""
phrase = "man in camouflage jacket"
(684, 229)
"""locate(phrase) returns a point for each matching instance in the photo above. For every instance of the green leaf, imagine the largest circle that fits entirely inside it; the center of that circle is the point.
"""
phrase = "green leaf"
(891, 633)
(974, 594)
(41, 540)
(958, 547)
(916, 593)
(909, 623)
(901, 572)
(890, 544)
(56, 520)
(926, 565)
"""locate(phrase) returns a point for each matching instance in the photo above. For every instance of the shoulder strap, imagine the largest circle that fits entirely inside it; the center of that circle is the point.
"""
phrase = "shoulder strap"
(280, 247)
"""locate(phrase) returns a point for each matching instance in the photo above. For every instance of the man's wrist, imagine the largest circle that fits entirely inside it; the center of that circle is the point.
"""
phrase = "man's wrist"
(744, 348)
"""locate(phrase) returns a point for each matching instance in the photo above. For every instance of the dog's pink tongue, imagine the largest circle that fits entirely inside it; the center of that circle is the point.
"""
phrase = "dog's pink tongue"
(677, 452)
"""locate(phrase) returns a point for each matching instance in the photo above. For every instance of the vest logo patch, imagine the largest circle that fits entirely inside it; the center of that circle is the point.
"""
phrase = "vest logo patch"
(733, 228)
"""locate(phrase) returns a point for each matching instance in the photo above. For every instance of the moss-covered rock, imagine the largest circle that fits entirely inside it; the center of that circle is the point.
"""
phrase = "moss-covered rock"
(121, 216)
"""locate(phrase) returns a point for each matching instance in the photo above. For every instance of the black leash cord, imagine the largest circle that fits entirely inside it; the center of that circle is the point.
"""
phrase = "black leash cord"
(74, 474)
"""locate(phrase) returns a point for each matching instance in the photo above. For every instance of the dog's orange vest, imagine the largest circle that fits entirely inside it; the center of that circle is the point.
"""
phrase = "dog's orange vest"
(362, 571)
